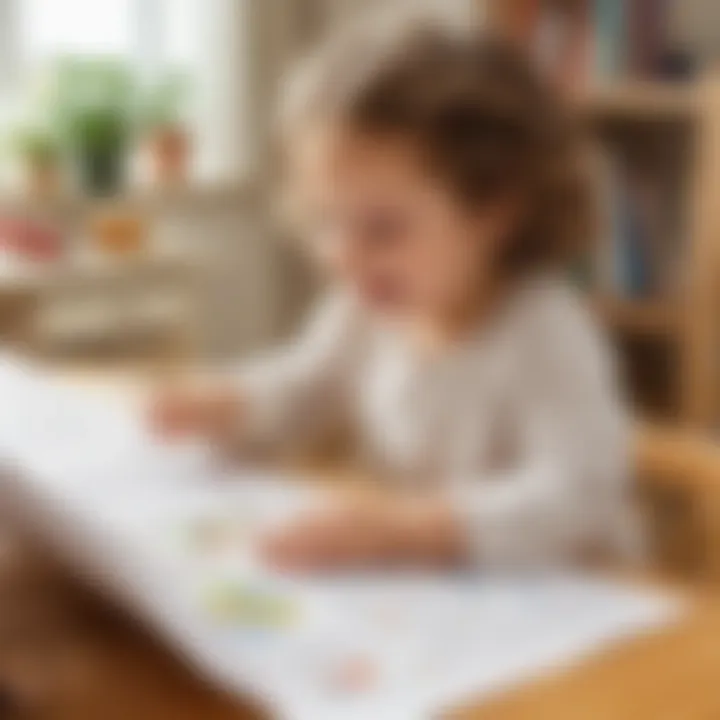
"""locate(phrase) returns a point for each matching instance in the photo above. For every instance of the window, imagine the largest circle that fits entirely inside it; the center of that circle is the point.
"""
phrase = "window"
(152, 36)
(149, 32)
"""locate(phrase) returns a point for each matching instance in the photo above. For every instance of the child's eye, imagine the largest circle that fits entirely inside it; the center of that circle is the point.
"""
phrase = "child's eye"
(371, 229)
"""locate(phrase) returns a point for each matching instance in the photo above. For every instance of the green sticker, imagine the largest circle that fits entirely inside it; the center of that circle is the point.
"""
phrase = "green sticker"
(243, 604)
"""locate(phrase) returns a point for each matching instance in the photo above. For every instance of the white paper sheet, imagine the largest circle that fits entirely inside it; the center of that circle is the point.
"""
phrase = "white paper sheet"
(169, 532)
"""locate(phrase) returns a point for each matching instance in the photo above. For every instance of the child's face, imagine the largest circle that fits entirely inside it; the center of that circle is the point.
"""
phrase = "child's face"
(389, 229)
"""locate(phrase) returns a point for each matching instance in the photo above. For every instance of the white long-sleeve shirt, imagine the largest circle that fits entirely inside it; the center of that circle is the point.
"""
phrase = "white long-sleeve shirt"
(520, 427)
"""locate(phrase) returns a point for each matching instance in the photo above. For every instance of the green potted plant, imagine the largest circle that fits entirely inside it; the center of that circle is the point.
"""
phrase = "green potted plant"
(94, 102)
(167, 136)
(39, 151)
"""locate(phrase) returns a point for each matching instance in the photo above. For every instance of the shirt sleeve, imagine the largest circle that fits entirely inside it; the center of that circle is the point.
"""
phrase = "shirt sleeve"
(568, 491)
(295, 392)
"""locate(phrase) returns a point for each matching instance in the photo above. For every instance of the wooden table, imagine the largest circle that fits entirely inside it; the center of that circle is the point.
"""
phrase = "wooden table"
(66, 655)
(672, 675)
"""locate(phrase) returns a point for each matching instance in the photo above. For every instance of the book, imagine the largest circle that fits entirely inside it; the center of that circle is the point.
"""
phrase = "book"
(647, 22)
(610, 24)
(564, 44)
(518, 20)
(641, 221)
(589, 41)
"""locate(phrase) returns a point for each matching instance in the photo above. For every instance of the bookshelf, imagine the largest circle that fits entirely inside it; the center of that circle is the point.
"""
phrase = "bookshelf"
(690, 319)
(684, 323)
(642, 100)
(655, 318)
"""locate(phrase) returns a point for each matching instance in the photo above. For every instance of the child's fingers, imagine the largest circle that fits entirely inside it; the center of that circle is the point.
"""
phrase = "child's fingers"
(170, 415)
(177, 413)
(296, 548)
(220, 415)
(312, 543)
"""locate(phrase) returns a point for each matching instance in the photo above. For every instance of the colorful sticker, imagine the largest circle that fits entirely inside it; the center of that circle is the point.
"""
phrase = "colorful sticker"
(241, 603)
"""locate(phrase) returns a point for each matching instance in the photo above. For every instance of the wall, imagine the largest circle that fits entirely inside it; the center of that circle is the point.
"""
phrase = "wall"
(251, 282)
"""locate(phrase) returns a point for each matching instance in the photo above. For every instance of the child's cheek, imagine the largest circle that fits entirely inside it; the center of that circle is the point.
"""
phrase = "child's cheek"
(404, 283)
(428, 274)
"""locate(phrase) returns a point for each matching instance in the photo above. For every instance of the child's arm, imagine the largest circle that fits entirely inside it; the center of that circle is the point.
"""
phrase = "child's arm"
(280, 399)
(380, 530)
(566, 493)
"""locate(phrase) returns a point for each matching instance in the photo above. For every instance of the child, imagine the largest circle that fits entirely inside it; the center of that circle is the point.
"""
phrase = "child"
(444, 185)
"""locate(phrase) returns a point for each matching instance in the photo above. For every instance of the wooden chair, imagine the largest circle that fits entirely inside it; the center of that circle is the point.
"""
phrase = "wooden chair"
(679, 480)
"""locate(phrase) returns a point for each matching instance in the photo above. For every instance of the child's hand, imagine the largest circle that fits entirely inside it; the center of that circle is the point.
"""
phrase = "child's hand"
(347, 533)
(213, 414)
(363, 532)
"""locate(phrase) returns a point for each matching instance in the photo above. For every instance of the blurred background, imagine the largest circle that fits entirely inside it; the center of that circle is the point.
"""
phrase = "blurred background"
(137, 180)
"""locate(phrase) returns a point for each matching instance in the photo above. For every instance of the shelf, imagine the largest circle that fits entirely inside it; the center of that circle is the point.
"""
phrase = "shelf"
(642, 100)
(655, 318)
(81, 272)
(192, 197)
(91, 326)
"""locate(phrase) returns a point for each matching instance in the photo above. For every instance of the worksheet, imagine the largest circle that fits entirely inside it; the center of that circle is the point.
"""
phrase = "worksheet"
(171, 531)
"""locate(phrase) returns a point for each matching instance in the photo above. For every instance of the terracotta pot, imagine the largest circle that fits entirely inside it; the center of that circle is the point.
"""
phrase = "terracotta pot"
(170, 151)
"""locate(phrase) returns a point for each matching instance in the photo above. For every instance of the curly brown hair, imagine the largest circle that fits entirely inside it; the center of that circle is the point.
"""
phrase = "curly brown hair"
(485, 120)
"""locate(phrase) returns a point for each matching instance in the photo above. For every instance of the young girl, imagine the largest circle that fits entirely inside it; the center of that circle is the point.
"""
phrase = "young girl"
(444, 185)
